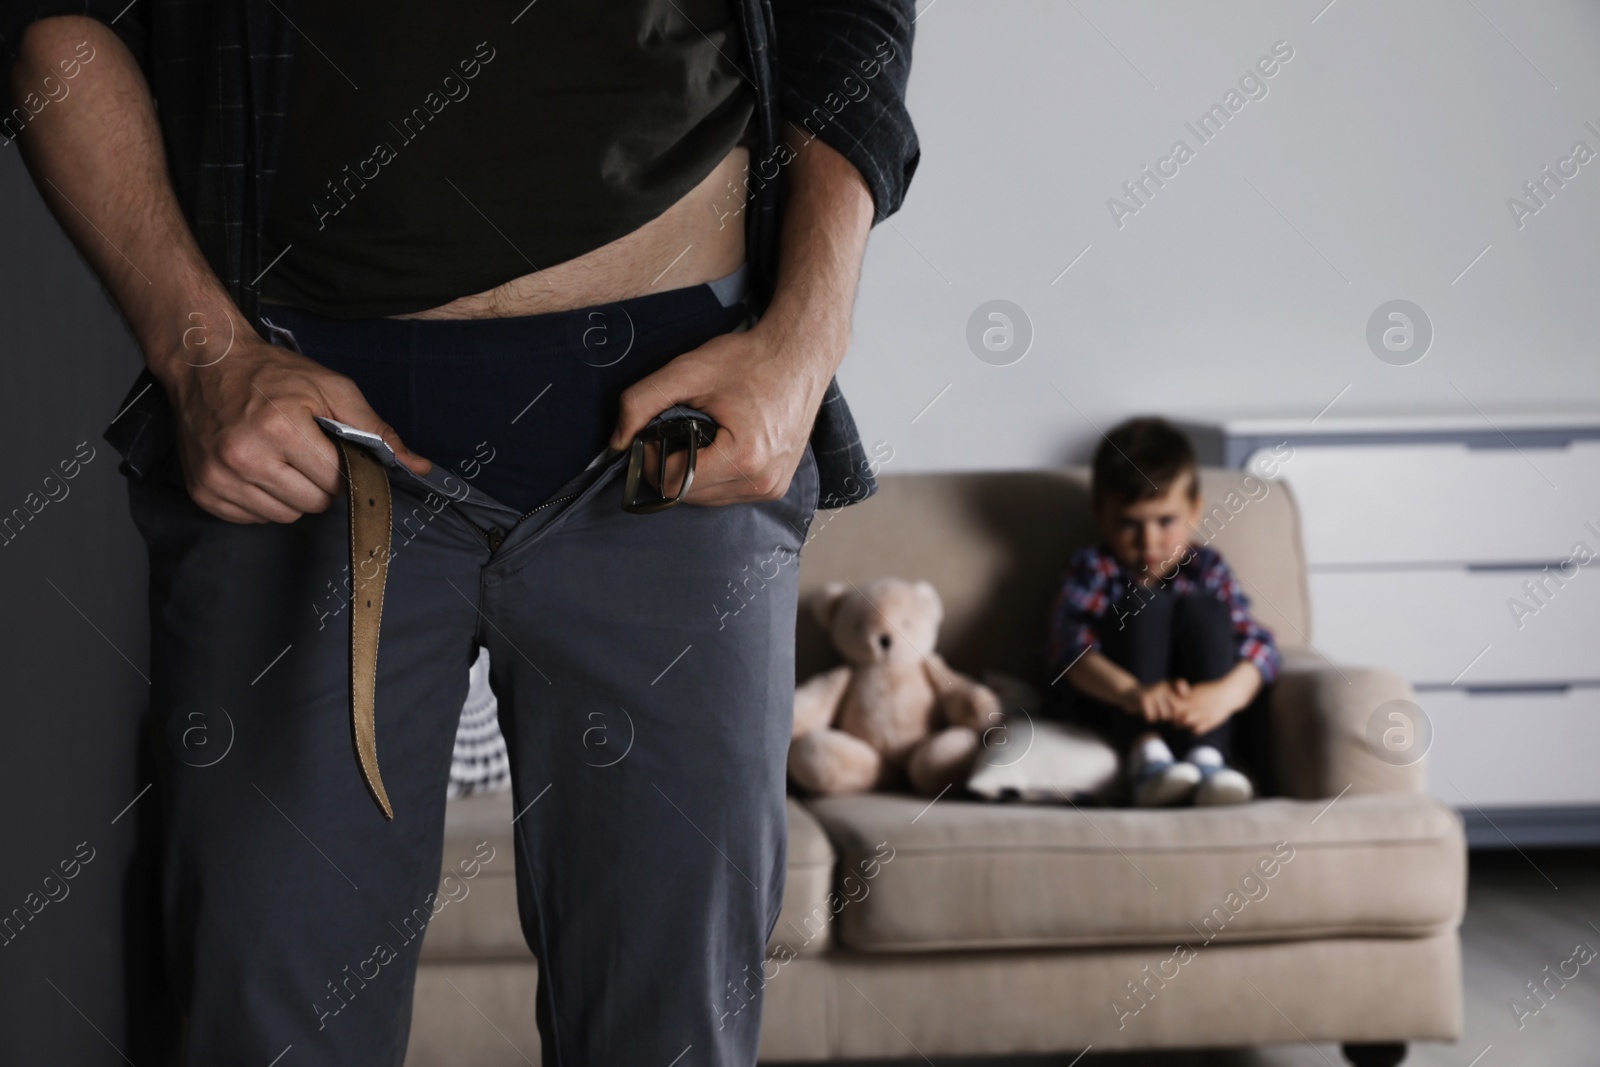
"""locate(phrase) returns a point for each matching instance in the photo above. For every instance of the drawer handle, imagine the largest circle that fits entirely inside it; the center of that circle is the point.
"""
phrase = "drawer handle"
(1518, 439)
(1552, 689)
(1482, 568)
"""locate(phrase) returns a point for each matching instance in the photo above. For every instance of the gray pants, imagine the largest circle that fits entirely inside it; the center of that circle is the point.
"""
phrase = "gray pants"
(647, 884)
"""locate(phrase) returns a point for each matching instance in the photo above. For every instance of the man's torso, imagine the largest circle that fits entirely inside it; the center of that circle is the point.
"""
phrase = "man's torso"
(436, 167)
(698, 239)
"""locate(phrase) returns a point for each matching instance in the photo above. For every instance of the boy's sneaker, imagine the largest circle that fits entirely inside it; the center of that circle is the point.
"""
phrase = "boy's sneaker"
(1219, 783)
(1158, 779)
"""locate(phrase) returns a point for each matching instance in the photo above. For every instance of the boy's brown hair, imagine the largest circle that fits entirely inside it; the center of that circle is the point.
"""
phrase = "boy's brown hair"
(1140, 459)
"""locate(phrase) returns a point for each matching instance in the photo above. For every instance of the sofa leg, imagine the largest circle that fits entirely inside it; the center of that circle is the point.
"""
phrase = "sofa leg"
(1386, 1055)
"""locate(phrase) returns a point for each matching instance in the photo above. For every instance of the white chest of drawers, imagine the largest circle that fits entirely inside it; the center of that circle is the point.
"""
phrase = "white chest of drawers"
(1463, 553)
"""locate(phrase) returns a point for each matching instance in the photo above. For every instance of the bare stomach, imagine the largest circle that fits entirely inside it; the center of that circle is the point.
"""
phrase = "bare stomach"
(698, 239)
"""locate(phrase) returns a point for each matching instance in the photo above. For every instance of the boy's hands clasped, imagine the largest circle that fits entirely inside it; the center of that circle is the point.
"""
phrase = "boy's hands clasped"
(1157, 702)
(1201, 706)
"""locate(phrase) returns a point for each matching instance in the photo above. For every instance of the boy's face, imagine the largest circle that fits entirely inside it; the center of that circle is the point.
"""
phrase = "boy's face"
(1148, 536)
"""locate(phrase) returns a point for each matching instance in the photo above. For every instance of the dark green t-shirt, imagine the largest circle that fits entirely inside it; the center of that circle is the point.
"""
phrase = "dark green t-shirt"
(434, 151)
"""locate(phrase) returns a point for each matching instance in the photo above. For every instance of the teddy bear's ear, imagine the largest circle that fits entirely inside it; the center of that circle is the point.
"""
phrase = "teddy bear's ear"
(825, 602)
(930, 595)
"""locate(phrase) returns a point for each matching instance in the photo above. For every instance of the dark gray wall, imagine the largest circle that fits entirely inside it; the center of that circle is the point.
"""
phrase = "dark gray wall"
(79, 977)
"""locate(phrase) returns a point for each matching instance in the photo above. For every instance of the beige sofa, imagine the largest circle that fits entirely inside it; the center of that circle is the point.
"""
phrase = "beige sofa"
(967, 928)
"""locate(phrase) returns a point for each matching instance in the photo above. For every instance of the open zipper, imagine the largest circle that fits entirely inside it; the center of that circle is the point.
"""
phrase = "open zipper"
(495, 536)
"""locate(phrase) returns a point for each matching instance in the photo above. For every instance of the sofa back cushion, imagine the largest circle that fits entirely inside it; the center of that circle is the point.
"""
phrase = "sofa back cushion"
(994, 544)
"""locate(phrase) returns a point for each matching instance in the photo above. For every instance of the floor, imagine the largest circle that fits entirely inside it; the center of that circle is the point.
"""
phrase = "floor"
(1525, 910)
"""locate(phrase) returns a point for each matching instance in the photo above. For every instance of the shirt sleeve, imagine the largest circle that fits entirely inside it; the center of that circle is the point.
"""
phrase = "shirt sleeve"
(842, 70)
(1252, 641)
(128, 20)
(1077, 612)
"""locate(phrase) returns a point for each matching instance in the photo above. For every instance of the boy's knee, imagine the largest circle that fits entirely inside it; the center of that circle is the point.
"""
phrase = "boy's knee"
(1203, 622)
(1144, 612)
(1202, 607)
(1203, 635)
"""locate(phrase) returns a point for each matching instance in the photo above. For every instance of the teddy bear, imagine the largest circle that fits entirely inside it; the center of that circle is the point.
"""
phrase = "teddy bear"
(894, 713)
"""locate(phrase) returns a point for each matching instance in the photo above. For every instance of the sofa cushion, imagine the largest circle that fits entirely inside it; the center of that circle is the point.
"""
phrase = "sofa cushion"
(964, 875)
(809, 902)
(476, 903)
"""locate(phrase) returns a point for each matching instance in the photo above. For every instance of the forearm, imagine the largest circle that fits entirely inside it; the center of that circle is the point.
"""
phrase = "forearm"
(1239, 686)
(827, 218)
(96, 155)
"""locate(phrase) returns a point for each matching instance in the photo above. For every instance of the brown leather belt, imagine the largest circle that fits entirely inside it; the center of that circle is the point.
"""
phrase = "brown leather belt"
(371, 514)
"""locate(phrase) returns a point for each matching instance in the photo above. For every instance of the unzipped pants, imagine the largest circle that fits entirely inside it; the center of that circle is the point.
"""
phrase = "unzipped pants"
(644, 668)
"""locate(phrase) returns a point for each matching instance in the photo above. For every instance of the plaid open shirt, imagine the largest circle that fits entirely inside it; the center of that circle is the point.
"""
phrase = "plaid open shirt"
(1095, 583)
(221, 72)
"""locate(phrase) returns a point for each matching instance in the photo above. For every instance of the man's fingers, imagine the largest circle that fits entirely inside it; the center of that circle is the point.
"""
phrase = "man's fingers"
(631, 418)
(296, 490)
(419, 465)
(677, 464)
(317, 462)
(639, 403)
(239, 501)
(353, 410)
(227, 510)
(255, 499)
(716, 479)
(720, 479)
(676, 383)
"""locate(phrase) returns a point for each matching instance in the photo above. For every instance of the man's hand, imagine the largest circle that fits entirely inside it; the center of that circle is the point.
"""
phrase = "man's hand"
(1158, 702)
(764, 386)
(250, 448)
(248, 445)
(763, 390)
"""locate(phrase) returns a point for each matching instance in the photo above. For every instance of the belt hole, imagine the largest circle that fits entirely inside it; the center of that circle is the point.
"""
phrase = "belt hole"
(371, 503)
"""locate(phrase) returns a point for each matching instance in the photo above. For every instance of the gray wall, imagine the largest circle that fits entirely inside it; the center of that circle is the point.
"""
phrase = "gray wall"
(73, 644)
(1377, 167)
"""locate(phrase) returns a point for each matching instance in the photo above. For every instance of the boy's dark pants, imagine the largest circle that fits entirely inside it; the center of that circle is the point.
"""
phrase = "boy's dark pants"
(1165, 636)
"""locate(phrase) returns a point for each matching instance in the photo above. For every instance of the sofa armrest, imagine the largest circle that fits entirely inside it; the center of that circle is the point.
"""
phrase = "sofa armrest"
(1319, 722)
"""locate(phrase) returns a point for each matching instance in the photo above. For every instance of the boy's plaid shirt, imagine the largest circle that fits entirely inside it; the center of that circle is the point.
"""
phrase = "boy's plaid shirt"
(1095, 583)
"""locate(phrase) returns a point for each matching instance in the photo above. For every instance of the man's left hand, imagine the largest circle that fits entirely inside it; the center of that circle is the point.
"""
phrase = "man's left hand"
(763, 387)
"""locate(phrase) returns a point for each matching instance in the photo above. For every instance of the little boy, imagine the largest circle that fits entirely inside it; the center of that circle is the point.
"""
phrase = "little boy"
(1153, 632)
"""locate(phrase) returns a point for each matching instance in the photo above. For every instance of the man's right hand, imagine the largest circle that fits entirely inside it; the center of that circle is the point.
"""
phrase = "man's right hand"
(1157, 702)
(249, 446)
